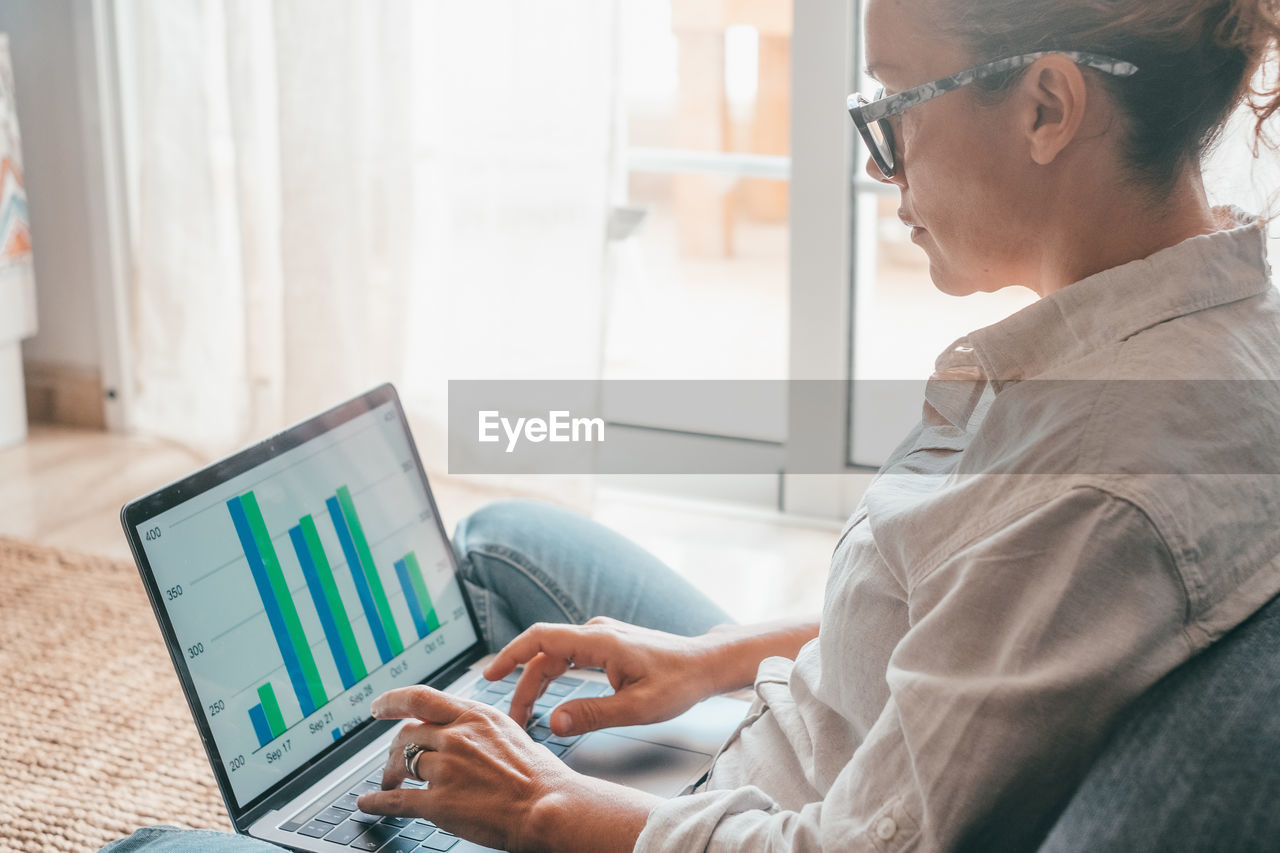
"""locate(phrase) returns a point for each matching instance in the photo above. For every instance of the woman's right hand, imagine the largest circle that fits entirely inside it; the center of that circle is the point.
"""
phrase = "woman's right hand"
(655, 675)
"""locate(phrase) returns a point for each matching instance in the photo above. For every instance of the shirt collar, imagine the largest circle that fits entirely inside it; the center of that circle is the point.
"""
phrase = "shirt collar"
(1198, 273)
(1108, 307)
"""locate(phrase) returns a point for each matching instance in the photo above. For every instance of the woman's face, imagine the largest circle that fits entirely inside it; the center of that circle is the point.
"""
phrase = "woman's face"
(966, 193)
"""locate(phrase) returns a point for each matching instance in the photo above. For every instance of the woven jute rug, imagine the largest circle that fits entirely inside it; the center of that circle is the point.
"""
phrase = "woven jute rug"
(95, 737)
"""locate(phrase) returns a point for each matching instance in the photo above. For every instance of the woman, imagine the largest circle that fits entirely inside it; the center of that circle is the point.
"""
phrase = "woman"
(1052, 539)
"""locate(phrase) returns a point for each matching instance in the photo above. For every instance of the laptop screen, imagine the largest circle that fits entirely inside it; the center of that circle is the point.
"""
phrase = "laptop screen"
(302, 586)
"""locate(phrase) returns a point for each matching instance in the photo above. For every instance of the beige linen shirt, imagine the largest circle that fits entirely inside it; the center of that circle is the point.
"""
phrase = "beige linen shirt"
(1059, 532)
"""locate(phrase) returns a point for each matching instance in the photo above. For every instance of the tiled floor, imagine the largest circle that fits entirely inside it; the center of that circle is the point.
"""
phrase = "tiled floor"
(65, 487)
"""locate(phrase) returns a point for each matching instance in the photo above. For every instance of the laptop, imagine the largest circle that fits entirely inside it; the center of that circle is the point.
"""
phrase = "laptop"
(300, 578)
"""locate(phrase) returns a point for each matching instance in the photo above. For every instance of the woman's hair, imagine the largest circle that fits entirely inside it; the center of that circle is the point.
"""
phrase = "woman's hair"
(1197, 60)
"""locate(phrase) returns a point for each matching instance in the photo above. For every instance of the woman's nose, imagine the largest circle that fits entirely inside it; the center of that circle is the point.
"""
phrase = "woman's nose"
(873, 171)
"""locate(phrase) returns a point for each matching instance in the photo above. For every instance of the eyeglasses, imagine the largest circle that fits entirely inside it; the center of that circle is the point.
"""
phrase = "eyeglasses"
(872, 116)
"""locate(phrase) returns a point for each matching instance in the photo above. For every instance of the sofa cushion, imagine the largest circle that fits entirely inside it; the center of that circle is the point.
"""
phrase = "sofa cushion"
(1194, 765)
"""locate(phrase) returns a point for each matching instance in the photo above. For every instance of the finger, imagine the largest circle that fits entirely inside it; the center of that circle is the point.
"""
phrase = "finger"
(402, 802)
(586, 715)
(426, 735)
(568, 642)
(532, 683)
(538, 673)
(420, 701)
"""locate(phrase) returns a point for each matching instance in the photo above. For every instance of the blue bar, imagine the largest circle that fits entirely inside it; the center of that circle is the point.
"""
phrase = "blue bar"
(411, 598)
(322, 605)
(269, 603)
(336, 734)
(260, 724)
(362, 585)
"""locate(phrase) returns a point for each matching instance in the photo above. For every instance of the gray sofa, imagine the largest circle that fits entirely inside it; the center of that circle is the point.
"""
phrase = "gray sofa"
(1194, 765)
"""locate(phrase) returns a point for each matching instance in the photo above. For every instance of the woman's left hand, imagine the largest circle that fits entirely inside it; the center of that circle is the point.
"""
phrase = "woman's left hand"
(485, 774)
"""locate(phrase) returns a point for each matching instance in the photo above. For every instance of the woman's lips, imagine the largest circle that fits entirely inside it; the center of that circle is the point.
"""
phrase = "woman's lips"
(916, 231)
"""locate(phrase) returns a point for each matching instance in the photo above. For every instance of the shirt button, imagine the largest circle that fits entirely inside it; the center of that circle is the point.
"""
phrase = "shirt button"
(886, 828)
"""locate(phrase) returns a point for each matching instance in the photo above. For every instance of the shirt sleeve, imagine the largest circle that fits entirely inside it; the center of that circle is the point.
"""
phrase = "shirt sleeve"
(1023, 647)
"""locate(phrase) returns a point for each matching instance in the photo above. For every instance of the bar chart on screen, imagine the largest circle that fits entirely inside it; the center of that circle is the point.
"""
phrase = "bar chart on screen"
(304, 588)
(335, 621)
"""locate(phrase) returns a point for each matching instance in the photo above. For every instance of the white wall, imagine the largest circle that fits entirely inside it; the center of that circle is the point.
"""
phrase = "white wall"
(43, 45)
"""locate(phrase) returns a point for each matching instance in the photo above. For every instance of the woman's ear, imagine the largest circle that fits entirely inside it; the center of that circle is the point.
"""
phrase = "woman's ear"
(1054, 95)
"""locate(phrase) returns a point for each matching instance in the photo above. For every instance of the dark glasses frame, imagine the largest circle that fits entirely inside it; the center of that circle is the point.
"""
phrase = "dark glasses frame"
(871, 116)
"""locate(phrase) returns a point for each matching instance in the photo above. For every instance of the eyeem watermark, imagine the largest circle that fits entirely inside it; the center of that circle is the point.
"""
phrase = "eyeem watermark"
(658, 427)
(558, 426)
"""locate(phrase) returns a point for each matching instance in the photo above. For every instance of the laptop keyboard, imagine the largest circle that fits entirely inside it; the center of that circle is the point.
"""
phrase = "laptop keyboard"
(498, 694)
(342, 822)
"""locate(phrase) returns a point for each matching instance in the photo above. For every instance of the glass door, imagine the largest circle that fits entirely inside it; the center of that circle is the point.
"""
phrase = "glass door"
(700, 280)
(700, 241)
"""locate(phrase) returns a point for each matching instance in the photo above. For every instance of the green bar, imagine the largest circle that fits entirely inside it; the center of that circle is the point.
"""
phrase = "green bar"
(336, 607)
(285, 599)
(370, 573)
(420, 587)
(275, 719)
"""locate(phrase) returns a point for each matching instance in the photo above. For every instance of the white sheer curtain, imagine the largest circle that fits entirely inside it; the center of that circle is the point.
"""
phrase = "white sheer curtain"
(326, 194)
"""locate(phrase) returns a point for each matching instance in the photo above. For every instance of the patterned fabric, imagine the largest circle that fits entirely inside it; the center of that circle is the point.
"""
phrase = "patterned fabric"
(881, 107)
(15, 228)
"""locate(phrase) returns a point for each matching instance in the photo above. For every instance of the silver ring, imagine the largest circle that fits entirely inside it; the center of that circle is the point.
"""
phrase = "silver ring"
(412, 753)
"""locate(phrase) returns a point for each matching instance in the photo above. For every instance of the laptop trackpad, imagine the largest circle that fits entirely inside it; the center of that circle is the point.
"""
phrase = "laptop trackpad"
(652, 767)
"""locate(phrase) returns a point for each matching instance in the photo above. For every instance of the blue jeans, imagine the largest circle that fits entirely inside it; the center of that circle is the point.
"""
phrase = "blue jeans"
(524, 562)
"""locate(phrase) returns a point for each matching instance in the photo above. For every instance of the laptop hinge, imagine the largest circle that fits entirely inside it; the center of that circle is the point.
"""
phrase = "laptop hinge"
(308, 777)
(457, 670)
(304, 780)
